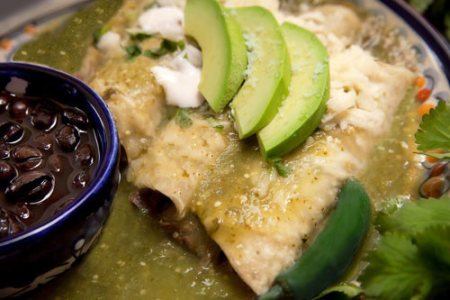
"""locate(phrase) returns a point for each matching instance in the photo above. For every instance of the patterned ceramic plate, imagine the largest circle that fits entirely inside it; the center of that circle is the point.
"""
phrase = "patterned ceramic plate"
(20, 20)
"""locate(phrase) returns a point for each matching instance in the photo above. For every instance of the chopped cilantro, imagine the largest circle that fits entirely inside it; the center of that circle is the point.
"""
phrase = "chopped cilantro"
(165, 47)
(133, 51)
(182, 118)
(412, 260)
(100, 32)
(434, 131)
(282, 169)
(215, 123)
(139, 36)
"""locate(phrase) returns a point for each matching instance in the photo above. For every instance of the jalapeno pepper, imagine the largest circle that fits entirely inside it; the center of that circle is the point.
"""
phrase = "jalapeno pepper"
(333, 251)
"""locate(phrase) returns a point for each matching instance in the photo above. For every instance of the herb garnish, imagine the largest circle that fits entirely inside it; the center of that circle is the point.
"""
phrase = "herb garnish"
(182, 118)
(139, 36)
(215, 123)
(165, 47)
(282, 169)
(133, 51)
(434, 131)
(412, 260)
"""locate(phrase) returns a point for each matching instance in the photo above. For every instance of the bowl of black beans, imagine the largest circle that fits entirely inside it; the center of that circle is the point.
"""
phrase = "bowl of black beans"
(59, 154)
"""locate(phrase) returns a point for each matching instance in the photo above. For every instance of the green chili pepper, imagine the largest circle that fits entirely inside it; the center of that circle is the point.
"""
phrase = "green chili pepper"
(333, 251)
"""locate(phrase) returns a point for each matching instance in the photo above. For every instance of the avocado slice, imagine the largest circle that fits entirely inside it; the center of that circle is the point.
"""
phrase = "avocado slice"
(223, 49)
(300, 113)
(268, 72)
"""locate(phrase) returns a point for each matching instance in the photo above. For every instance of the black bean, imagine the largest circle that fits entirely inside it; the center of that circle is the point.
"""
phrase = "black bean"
(27, 157)
(9, 223)
(47, 154)
(4, 100)
(30, 187)
(81, 180)
(43, 118)
(4, 150)
(25, 152)
(84, 155)
(15, 225)
(11, 132)
(18, 109)
(44, 142)
(68, 138)
(123, 159)
(4, 223)
(75, 117)
(23, 211)
(7, 172)
(55, 163)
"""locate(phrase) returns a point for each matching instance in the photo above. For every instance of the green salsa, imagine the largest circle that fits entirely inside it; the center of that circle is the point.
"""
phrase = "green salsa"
(134, 259)
(65, 47)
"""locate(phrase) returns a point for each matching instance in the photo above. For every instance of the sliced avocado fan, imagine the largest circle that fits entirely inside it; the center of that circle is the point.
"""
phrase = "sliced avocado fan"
(223, 48)
(300, 113)
(268, 72)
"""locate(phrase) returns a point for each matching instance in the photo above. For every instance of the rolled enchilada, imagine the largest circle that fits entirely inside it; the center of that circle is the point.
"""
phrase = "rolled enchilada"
(260, 220)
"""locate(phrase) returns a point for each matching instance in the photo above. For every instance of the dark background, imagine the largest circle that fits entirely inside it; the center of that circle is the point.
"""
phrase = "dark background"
(437, 12)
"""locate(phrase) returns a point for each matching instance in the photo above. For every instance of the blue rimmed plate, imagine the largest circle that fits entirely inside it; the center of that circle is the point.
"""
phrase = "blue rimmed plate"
(433, 51)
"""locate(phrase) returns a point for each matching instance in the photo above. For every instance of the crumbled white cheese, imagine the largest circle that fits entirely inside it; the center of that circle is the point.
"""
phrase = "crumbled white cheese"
(361, 91)
(109, 43)
(166, 21)
(251, 44)
(180, 81)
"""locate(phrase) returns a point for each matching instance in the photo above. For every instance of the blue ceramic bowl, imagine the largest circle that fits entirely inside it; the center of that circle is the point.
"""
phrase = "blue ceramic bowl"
(40, 253)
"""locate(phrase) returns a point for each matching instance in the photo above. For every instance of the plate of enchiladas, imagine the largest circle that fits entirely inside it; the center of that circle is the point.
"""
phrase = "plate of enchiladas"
(270, 149)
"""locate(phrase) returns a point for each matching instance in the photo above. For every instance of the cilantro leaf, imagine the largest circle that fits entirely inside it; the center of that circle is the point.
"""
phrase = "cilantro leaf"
(165, 47)
(436, 246)
(182, 118)
(418, 216)
(215, 123)
(133, 51)
(282, 169)
(139, 36)
(396, 271)
(412, 260)
(434, 130)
